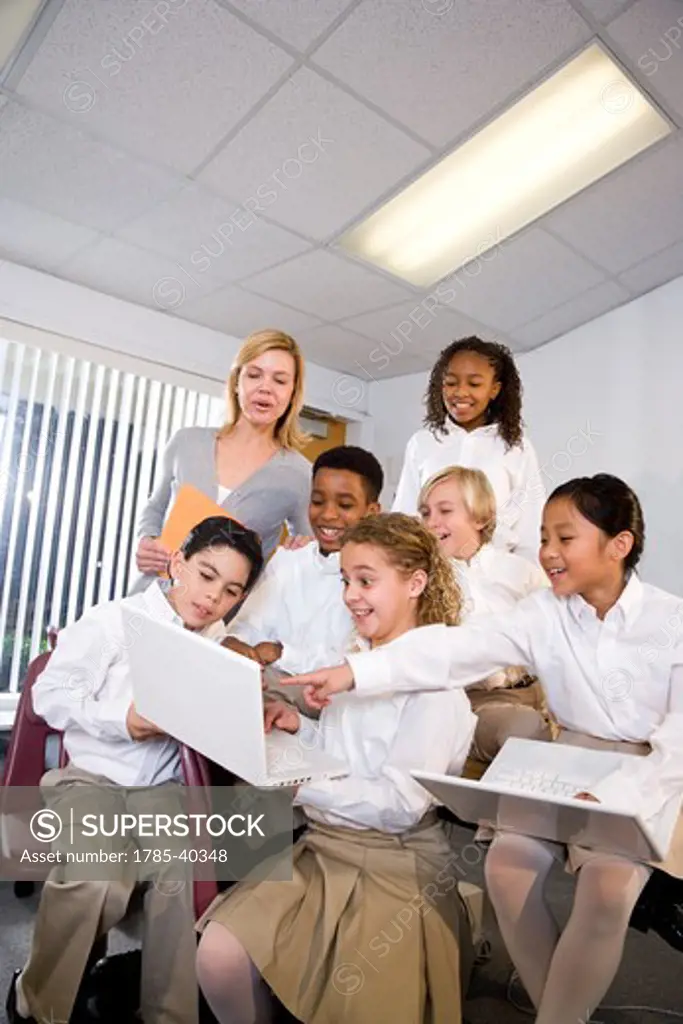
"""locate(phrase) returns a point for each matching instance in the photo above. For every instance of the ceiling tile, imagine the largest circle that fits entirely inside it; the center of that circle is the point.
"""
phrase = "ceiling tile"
(631, 214)
(238, 313)
(335, 336)
(38, 239)
(341, 350)
(123, 270)
(338, 349)
(441, 74)
(572, 314)
(314, 157)
(325, 285)
(166, 80)
(57, 168)
(520, 280)
(401, 365)
(650, 34)
(208, 234)
(333, 346)
(426, 332)
(298, 22)
(605, 10)
(656, 270)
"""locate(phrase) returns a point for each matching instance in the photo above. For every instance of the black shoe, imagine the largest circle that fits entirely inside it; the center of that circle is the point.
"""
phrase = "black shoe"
(24, 889)
(641, 915)
(80, 1014)
(13, 1015)
(667, 921)
(660, 908)
(113, 987)
(651, 897)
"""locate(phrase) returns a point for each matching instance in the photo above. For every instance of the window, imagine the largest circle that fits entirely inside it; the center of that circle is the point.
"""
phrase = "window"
(80, 446)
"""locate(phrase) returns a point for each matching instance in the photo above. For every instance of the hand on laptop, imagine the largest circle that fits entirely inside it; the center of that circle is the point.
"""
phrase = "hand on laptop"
(278, 715)
(587, 796)
(140, 728)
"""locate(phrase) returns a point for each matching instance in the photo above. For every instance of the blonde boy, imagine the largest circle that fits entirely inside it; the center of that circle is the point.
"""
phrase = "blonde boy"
(458, 506)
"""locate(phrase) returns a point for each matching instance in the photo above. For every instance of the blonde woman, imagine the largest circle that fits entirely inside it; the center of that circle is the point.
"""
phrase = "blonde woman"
(251, 466)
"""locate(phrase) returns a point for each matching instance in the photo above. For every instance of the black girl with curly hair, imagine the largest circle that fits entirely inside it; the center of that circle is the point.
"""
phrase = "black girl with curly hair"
(500, 392)
(474, 418)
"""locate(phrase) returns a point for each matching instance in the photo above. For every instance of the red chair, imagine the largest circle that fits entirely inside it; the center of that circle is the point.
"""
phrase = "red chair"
(25, 766)
(196, 773)
(25, 760)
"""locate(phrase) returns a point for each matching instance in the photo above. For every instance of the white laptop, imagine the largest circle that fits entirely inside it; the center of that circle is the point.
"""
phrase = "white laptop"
(211, 699)
(530, 788)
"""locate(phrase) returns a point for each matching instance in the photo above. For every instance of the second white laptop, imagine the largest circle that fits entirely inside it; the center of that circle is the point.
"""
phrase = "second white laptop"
(530, 788)
(210, 699)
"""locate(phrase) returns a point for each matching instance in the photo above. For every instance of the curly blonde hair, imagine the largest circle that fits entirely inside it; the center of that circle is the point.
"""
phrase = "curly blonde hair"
(409, 546)
(287, 433)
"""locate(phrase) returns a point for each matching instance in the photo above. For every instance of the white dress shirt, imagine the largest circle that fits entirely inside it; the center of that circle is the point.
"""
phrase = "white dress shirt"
(617, 679)
(514, 475)
(86, 689)
(492, 582)
(382, 739)
(299, 603)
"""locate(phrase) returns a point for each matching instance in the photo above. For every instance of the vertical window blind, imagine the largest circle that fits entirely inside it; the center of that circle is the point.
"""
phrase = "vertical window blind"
(80, 447)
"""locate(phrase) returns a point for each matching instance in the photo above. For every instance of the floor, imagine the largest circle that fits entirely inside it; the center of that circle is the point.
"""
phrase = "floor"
(649, 975)
(648, 978)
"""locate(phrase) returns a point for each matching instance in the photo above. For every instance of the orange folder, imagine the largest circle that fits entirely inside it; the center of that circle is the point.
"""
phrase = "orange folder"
(190, 507)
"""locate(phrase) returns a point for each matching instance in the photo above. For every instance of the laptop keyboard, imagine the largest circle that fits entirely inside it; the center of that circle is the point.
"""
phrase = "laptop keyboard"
(536, 782)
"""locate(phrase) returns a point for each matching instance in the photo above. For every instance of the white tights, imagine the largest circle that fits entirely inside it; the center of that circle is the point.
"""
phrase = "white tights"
(565, 975)
(231, 984)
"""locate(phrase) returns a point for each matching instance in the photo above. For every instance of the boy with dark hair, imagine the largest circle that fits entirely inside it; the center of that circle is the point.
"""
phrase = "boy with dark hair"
(295, 619)
(122, 765)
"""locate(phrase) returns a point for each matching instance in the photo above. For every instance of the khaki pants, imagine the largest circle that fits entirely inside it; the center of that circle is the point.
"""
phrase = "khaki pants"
(74, 912)
(503, 713)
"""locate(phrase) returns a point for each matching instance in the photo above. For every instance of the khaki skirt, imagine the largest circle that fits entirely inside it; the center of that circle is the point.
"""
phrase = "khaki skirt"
(370, 929)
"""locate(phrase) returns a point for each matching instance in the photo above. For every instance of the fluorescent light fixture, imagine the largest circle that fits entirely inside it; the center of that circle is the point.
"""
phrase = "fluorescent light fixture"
(16, 17)
(577, 126)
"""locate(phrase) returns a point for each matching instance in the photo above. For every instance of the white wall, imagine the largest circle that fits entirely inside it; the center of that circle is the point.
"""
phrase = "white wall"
(397, 409)
(621, 376)
(39, 300)
(619, 379)
(608, 396)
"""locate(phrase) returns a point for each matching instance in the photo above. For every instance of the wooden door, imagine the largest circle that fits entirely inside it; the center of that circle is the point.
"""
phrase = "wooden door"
(336, 435)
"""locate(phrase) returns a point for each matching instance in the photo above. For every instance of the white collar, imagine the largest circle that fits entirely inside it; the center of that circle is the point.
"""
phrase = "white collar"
(477, 562)
(454, 429)
(626, 609)
(157, 604)
(327, 564)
